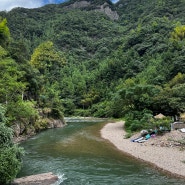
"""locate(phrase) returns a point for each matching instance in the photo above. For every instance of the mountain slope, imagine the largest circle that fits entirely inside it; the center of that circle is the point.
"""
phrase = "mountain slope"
(82, 27)
(108, 48)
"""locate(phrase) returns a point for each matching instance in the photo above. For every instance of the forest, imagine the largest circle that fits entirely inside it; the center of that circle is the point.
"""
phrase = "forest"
(79, 59)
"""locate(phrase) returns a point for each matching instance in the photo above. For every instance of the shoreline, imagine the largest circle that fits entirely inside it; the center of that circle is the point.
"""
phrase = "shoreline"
(170, 160)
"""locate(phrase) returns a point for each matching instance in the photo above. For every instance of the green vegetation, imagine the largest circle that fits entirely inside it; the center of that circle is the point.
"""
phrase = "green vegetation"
(78, 60)
(10, 154)
(4, 32)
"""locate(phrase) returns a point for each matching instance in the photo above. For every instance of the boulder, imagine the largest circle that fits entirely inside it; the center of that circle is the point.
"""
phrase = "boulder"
(39, 179)
(55, 123)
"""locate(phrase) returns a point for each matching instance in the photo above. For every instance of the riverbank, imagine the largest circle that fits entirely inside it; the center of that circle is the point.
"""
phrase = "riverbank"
(51, 124)
(169, 159)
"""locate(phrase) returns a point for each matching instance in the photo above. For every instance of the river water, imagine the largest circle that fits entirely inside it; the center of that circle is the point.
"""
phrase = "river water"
(79, 156)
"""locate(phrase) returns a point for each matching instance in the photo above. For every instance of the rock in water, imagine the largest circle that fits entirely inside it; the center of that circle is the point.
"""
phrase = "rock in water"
(39, 179)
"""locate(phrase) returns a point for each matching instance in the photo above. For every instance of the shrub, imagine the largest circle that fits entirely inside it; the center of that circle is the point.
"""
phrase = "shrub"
(10, 154)
(41, 124)
(161, 124)
(135, 125)
(10, 163)
(137, 120)
(56, 113)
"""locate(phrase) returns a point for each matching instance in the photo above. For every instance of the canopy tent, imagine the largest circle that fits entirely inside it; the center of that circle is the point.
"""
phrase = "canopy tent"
(159, 116)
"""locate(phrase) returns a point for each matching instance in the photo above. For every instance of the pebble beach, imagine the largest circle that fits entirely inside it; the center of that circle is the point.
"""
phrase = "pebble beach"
(158, 151)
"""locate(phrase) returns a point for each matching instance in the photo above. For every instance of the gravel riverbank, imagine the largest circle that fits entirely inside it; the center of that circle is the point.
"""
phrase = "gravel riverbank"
(161, 151)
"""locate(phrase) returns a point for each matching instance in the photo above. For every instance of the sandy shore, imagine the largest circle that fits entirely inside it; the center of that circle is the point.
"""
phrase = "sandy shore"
(169, 159)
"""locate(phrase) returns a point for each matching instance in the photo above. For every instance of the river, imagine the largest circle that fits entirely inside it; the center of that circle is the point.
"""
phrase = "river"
(79, 156)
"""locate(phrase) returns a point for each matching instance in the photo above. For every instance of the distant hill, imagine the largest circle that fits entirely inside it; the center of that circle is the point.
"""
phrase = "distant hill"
(81, 27)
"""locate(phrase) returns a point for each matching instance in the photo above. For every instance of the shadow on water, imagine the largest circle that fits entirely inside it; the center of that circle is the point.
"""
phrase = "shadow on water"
(78, 155)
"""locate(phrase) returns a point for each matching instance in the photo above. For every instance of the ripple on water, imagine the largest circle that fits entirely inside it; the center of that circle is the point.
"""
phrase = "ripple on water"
(61, 179)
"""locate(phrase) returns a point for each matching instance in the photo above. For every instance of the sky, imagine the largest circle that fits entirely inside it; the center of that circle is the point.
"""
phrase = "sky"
(10, 4)
(7, 5)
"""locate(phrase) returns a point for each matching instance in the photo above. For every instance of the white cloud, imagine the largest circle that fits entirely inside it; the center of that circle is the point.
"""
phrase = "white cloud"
(9, 4)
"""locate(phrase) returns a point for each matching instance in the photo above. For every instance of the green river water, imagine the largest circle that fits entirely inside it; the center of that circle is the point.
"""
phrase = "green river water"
(79, 156)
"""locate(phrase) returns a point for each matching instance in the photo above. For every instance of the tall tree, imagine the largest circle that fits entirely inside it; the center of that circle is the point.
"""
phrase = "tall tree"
(4, 33)
(46, 59)
(11, 89)
(48, 62)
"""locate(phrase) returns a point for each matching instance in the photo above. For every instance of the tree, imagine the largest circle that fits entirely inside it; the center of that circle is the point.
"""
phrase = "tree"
(179, 33)
(178, 36)
(10, 154)
(133, 96)
(4, 33)
(47, 63)
(19, 51)
(46, 59)
(24, 111)
(178, 79)
(170, 99)
(11, 88)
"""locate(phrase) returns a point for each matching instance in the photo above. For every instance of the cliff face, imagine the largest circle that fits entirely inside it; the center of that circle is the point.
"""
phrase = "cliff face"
(23, 131)
(104, 8)
(113, 15)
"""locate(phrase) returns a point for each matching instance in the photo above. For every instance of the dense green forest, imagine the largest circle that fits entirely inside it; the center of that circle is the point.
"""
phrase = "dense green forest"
(93, 58)
(89, 58)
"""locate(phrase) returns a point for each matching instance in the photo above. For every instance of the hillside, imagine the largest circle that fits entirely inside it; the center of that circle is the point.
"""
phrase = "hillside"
(95, 58)
(82, 27)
